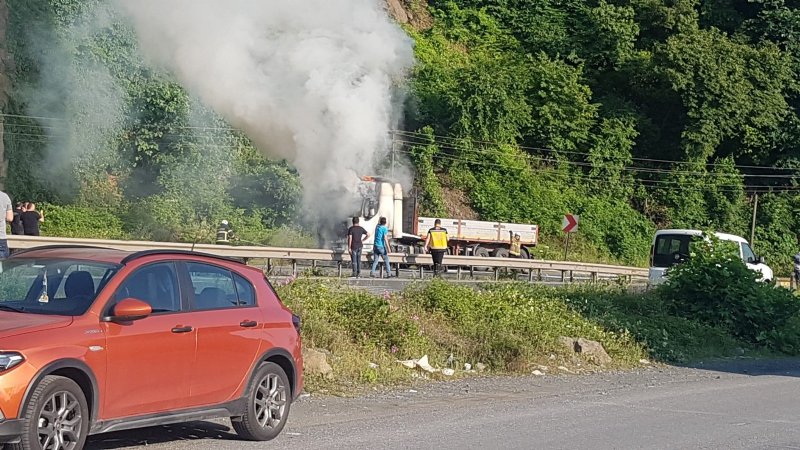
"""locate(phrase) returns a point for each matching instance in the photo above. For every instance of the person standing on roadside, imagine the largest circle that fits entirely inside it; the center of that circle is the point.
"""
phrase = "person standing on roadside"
(380, 248)
(355, 244)
(31, 218)
(437, 243)
(16, 224)
(7, 207)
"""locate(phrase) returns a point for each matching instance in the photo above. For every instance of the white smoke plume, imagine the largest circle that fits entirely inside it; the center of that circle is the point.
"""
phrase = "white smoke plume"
(312, 81)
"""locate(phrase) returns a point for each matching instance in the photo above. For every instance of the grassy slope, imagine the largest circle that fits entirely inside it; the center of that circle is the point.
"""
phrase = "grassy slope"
(510, 328)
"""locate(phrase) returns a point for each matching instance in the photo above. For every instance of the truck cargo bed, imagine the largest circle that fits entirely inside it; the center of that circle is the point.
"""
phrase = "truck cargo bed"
(481, 231)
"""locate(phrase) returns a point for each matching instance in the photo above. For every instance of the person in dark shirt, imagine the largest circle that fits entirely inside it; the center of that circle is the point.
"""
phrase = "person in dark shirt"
(355, 244)
(16, 224)
(31, 219)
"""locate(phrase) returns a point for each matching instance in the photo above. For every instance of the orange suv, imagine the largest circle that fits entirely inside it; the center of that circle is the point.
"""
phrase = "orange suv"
(95, 340)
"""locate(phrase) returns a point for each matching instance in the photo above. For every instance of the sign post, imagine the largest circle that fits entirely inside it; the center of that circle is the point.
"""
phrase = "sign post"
(569, 225)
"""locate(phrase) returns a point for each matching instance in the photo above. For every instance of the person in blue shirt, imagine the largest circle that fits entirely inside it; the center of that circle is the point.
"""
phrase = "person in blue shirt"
(380, 248)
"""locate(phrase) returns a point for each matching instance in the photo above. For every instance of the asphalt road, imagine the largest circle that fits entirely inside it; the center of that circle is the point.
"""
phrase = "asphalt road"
(731, 405)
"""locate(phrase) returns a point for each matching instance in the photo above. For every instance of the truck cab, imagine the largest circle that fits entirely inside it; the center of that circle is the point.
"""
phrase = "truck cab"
(671, 247)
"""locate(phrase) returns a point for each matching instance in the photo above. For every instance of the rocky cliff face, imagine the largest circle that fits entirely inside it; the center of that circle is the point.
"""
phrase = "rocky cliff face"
(411, 12)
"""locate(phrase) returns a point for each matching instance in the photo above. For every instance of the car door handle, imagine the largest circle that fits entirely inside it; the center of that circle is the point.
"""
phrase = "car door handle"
(248, 323)
(182, 329)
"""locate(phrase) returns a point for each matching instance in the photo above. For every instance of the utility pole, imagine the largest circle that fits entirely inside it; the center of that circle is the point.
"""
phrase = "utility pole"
(753, 225)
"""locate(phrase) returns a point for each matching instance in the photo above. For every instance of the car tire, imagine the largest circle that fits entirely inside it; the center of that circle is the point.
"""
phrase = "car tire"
(268, 400)
(60, 401)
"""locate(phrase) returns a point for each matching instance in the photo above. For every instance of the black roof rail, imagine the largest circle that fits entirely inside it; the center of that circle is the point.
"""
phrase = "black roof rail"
(57, 247)
(143, 253)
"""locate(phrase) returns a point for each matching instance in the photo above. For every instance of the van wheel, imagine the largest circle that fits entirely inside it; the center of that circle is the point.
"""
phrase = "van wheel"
(267, 407)
(57, 417)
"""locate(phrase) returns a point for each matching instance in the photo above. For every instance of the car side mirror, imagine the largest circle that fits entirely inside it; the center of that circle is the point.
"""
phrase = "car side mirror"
(760, 260)
(130, 309)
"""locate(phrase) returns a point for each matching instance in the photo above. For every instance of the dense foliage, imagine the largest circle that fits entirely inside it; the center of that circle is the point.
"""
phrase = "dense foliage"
(716, 288)
(634, 115)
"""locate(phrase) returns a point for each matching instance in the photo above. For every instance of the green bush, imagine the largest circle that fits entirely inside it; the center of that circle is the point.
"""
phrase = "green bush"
(649, 320)
(81, 222)
(715, 287)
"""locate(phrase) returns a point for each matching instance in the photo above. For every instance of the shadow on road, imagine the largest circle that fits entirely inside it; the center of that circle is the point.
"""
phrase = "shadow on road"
(190, 431)
(788, 367)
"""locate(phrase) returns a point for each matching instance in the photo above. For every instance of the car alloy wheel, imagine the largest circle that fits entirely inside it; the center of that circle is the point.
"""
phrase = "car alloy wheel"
(270, 401)
(60, 421)
(269, 398)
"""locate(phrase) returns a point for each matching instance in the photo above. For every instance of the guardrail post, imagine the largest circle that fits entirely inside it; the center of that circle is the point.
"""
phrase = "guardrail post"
(339, 268)
(539, 276)
(421, 272)
(294, 267)
(269, 265)
(496, 273)
(563, 276)
(594, 277)
(571, 276)
(530, 275)
(458, 273)
(397, 270)
(471, 272)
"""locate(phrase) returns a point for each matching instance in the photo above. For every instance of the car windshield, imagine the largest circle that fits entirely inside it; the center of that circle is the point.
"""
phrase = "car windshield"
(51, 286)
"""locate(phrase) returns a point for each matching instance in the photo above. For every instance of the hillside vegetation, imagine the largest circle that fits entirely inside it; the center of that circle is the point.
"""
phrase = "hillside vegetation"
(634, 115)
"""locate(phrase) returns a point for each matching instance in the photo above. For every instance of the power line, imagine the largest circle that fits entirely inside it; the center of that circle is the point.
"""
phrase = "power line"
(529, 157)
(425, 140)
(676, 185)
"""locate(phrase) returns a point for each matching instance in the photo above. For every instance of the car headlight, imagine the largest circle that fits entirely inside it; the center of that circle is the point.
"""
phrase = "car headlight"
(9, 360)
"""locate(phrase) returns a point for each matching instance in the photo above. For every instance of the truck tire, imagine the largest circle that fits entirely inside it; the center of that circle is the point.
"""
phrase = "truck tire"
(501, 253)
(481, 252)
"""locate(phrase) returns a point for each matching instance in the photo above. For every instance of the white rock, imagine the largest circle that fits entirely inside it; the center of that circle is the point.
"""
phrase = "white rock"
(373, 365)
(467, 367)
(644, 361)
(448, 372)
(538, 373)
(480, 367)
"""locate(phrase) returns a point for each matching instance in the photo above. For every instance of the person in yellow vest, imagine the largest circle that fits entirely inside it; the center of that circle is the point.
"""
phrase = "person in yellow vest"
(437, 243)
(516, 245)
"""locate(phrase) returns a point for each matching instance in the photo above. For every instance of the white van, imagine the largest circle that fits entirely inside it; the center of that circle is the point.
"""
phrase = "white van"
(672, 247)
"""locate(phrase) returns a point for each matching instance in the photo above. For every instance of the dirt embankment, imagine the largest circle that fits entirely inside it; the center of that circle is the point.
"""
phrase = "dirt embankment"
(411, 12)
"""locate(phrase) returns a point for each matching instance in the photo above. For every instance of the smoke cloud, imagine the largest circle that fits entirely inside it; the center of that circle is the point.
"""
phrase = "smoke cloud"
(313, 82)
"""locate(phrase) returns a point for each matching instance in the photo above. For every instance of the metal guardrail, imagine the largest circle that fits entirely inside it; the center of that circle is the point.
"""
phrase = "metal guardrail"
(534, 268)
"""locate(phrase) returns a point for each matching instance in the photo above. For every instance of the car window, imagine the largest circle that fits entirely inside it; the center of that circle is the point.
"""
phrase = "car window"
(747, 254)
(155, 284)
(245, 291)
(52, 286)
(213, 286)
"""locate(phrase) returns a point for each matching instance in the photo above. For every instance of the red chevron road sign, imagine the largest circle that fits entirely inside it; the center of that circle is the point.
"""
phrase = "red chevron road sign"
(570, 223)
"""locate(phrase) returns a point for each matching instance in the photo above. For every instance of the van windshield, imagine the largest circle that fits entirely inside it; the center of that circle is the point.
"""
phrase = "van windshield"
(51, 286)
(671, 249)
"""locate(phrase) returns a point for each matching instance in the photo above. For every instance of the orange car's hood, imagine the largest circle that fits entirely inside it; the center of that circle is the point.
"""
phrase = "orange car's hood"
(12, 324)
